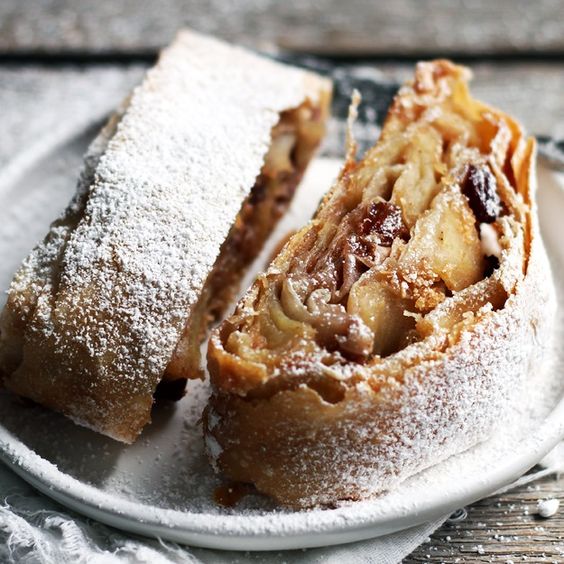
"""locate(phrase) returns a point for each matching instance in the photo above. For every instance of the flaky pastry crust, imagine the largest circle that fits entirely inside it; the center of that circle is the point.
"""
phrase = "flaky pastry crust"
(394, 329)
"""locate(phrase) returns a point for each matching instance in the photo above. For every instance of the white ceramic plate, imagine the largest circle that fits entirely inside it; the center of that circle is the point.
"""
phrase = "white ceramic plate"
(162, 486)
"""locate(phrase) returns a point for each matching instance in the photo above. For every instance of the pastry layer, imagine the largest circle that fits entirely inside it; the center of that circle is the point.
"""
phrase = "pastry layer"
(392, 331)
(96, 312)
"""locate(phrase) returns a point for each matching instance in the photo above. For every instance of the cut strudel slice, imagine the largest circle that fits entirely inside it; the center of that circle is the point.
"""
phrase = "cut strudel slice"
(176, 198)
(394, 329)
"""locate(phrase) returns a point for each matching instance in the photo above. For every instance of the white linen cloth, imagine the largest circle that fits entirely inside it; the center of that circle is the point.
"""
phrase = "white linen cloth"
(41, 110)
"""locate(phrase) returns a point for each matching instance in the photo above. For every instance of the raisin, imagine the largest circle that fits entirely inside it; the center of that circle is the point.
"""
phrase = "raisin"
(480, 187)
(386, 220)
(492, 263)
(358, 246)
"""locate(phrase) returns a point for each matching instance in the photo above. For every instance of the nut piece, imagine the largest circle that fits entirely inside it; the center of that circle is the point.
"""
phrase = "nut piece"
(480, 187)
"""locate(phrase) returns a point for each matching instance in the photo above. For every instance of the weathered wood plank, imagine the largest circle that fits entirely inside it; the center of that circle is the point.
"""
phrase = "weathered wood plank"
(403, 27)
(504, 528)
(532, 92)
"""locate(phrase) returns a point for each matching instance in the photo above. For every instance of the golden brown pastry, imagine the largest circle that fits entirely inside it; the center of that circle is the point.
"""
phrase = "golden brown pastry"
(177, 195)
(394, 329)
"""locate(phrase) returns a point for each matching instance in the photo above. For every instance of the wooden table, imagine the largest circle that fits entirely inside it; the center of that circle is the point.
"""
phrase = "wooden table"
(515, 47)
(502, 528)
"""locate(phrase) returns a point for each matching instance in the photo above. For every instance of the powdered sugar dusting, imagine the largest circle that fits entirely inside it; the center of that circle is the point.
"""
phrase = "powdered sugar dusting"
(119, 274)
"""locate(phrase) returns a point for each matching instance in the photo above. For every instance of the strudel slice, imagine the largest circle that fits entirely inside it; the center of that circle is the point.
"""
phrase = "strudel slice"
(176, 198)
(395, 328)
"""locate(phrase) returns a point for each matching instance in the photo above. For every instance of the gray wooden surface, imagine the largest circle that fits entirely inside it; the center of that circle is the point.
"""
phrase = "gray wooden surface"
(414, 27)
(532, 92)
(502, 529)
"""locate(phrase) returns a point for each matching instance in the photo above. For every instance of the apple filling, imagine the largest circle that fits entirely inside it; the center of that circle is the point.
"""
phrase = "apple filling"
(293, 141)
(424, 215)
